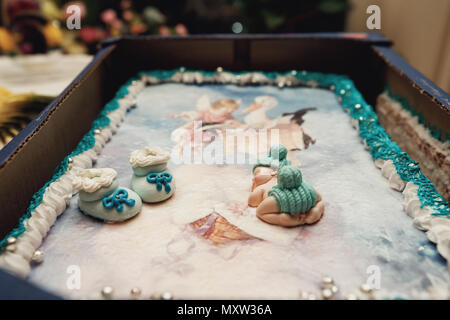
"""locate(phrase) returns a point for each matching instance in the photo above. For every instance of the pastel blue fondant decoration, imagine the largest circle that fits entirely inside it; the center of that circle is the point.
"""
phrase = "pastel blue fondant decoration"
(117, 200)
(142, 171)
(122, 205)
(100, 193)
(275, 159)
(160, 179)
(150, 187)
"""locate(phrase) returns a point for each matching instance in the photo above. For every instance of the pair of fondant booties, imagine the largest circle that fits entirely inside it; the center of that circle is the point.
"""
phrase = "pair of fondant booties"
(101, 197)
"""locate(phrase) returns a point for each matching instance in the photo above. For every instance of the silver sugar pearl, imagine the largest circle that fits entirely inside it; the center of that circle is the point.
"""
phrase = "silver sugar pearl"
(327, 281)
(97, 131)
(304, 295)
(357, 106)
(70, 160)
(107, 292)
(421, 248)
(155, 296)
(311, 296)
(351, 296)
(293, 72)
(327, 294)
(219, 69)
(11, 240)
(280, 84)
(334, 289)
(342, 91)
(182, 69)
(136, 292)
(166, 296)
(37, 257)
(365, 288)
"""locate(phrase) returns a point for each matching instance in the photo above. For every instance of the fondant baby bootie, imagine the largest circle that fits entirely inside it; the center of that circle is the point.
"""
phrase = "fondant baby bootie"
(101, 197)
(151, 180)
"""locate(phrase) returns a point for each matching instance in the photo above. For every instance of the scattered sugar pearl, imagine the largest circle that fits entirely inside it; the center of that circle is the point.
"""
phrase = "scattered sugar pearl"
(312, 296)
(365, 288)
(327, 281)
(107, 292)
(155, 296)
(37, 257)
(351, 296)
(166, 296)
(327, 294)
(11, 240)
(136, 292)
(304, 295)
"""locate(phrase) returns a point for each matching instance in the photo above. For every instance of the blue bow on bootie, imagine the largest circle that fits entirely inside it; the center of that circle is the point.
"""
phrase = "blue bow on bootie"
(117, 199)
(160, 179)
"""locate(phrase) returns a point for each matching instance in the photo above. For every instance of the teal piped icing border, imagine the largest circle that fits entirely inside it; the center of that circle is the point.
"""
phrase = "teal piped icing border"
(370, 130)
(433, 130)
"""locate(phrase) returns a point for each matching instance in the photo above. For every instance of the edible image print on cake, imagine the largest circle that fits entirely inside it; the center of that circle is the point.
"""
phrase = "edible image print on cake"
(205, 241)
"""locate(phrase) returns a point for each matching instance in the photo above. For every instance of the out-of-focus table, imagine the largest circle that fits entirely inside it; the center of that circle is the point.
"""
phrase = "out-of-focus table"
(46, 74)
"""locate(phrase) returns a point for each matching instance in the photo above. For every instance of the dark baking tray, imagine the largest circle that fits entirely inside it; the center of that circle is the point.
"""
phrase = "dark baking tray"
(28, 161)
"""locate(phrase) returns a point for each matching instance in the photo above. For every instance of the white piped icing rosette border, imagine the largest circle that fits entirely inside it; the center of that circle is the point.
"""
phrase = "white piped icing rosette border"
(59, 193)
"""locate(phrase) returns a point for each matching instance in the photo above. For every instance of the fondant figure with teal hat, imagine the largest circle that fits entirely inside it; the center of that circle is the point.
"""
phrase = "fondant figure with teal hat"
(292, 202)
(264, 171)
(151, 180)
(101, 197)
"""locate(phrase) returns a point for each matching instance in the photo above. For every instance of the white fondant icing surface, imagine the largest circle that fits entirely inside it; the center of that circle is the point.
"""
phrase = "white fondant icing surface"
(186, 246)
